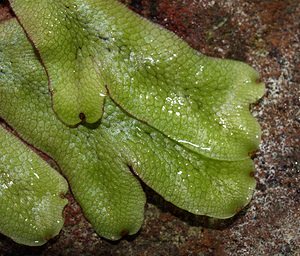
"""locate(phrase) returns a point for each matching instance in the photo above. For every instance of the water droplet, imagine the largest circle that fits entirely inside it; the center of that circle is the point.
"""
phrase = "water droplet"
(36, 175)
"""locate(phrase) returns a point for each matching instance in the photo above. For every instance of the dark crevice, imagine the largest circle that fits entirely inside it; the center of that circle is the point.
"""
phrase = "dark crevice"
(6, 12)
(137, 5)
(134, 173)
(153, 9)
(82, 117)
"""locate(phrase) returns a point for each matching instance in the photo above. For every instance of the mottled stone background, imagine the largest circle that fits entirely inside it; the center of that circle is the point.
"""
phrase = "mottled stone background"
(265, 34)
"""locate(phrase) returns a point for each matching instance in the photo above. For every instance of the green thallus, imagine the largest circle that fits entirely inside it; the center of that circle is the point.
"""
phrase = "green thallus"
(106, 93)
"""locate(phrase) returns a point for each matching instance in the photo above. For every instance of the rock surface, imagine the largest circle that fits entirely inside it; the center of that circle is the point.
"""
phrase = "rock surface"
(265, 34)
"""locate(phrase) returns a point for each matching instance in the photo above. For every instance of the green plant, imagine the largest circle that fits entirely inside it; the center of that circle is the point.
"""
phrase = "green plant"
(110, 96)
